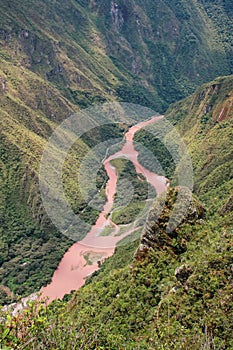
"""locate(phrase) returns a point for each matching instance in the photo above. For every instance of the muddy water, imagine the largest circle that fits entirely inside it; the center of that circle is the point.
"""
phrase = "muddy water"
(81, 259)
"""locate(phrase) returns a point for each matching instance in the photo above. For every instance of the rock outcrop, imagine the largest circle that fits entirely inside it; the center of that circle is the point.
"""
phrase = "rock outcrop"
(183, 272)
(156, 236)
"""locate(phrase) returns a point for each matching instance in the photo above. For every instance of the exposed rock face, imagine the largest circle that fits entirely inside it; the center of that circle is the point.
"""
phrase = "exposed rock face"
(183, 272)
(228, 206)
(155, 234)
(3, 85)
(116, 14)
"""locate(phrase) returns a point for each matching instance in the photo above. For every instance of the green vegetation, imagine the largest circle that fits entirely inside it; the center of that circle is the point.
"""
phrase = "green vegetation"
(204, 122)
(132, 188)
(175, 292)
(151, 304)
(128, 214)
(108, 230)
(157, 148)
(30, 246)
(91, 257)
(206, 129)
(147, 53)
(57, 57)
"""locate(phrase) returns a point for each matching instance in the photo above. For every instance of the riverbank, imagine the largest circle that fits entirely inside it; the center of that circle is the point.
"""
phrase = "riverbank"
(74, 267)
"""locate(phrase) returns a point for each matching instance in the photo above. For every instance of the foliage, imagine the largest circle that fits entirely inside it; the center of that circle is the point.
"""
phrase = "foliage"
(138, 54)
(145, 305)
(159, 150)
(149, 52)
(138, 301)
(204, 121)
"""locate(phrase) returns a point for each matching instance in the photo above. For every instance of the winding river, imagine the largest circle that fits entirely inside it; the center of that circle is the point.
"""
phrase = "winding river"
(81, 260)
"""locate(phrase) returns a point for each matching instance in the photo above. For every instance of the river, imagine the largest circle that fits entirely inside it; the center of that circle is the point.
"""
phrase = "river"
(81, 260)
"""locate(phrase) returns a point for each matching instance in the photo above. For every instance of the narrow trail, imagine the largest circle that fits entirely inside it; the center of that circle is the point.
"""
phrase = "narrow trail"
(81, 260)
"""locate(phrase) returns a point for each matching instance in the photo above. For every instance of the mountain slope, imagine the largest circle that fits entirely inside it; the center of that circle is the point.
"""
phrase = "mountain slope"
(176, 291)
(27, 240)
(171, 45)
(204, 122)
(207, 130)
(57, 57)
(145, 52)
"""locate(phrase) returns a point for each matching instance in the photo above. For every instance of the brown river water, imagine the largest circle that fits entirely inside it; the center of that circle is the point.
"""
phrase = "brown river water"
(81, 260)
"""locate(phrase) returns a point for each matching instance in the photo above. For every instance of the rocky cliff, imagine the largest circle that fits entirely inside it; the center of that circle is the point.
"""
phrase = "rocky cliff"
(156, 235)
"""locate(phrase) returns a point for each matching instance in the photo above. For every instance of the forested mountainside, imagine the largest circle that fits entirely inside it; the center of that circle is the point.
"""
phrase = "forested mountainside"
(204, 120)
(147, 52)
(170, 290)
(57, 57)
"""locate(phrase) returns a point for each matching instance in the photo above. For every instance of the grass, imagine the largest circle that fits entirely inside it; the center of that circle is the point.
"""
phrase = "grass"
(108, 230)
(92, 257)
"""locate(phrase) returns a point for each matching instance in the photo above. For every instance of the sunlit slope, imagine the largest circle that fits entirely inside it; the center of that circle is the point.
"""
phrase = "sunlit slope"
(30, 246)
(152, 53)
(205, 122)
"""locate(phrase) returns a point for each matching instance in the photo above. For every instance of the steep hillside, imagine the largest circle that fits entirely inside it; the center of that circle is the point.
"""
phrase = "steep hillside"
(146, 52)
(57, 57)
(204, 121)
(29, 108)
(30, 246)
(174, 290)
(171, 46)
